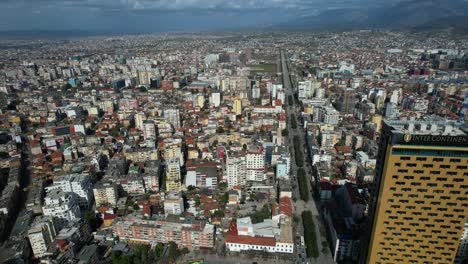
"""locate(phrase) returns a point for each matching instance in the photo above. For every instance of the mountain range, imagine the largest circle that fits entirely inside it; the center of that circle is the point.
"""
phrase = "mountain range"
(417, 15)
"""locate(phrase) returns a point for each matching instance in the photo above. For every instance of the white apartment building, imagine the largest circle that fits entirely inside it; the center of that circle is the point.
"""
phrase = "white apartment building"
(172, 149)
(236, 170)
(149, 129)
(255, 165)
(174, 203)
(80, 184)
(173, 170)
(133, 185)
(327, 115)
(105, 194)
(172, 115)
(63, 206)
(215, 99)
(41, 234)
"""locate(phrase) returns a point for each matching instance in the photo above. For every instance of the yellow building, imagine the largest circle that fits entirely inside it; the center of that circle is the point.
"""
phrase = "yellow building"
(173, 186)
(200, 100)
(377, 120)
(420, 197)
(237, 107)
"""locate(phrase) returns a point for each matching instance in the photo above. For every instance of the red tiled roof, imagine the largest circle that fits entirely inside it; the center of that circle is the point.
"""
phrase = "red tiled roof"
(285, 206)
(233, 237)
(261, 241)
(343, 149)
(110, 216)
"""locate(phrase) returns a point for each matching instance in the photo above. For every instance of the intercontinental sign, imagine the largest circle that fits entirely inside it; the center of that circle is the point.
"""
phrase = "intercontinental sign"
(412, 139)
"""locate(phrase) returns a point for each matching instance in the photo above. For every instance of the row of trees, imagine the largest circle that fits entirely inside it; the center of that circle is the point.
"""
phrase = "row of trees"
(144, 254)
(290, 100)
(293, 121)
(310, 235)
(298, 151)
(302, 181)
(139, 254)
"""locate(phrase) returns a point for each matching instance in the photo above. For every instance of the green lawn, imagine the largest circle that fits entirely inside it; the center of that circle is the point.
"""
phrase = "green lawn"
(263, 68)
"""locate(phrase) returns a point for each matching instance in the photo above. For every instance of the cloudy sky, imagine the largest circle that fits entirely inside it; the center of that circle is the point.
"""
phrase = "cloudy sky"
(159, 15)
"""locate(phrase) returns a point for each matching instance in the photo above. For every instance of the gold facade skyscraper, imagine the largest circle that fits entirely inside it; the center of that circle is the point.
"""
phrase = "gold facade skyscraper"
(420, 195)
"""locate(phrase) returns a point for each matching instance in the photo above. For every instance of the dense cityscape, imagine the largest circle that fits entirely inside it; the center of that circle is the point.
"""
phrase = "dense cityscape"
(273, 147)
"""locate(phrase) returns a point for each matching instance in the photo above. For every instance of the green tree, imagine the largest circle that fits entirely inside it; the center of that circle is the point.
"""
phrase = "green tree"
(218, 213)
(302, 182)
(310, 236)
(262, 214)
(173, 252)
(94, 221)
(224, 198)
(184, 251)
(223, 185)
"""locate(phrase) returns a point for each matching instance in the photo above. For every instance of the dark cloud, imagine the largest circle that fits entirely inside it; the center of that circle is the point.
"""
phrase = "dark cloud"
(158, 15)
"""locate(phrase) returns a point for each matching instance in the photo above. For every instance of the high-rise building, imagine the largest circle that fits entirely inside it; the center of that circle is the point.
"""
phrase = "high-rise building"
(173, 179)
(236, 169)
(172, 115)
(41, 234)
(80, 184)
(105, 194)
(255, 165)
(63, 206)
(215, 99)
(420, 197)
(149, 129)
(237, 107)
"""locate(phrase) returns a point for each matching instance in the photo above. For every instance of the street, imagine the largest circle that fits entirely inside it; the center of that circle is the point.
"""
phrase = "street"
(299, 205)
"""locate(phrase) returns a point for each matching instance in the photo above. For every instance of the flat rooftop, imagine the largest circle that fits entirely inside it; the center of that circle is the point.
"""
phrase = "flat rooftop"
(428, 126)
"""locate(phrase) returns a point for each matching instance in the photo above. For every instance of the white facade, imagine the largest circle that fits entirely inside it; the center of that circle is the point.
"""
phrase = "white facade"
(198, 179)
(278, 248)
(63, 206)
(80, 184)
(174, 204)
(215, 99)
(40, 235)
(151, 182)
(255, 166)
(149, 130)
(139, 119)
(254, 233)
(172, 115)
(235, 167)
(173, 170)
(133, 185)
(327, 115)
(105, 194)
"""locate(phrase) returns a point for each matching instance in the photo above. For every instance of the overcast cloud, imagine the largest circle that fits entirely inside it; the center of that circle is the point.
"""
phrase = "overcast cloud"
(159, 15)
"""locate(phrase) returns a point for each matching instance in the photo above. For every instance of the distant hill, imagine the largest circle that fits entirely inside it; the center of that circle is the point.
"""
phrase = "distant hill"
(406, 15)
